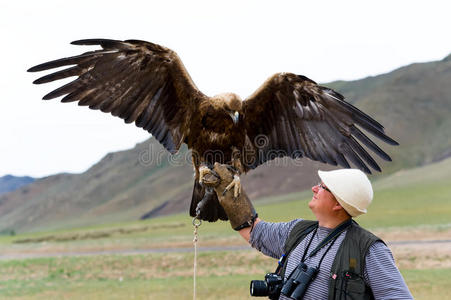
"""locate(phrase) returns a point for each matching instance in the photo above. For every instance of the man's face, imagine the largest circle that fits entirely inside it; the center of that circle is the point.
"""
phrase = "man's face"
(322, 201)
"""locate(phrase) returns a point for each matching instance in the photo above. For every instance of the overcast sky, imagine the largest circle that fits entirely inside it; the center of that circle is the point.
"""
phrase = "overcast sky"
(228, 47)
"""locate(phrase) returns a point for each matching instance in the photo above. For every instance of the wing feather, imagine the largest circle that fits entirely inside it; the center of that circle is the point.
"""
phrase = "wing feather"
(135, 80)
(63, 90)
(73, 60)
(300, 118)
(74, 71)
(363, 154)
(349, 153)
(369, 143)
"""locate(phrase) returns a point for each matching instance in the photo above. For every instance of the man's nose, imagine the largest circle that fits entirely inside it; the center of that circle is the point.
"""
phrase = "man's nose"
(315, 188)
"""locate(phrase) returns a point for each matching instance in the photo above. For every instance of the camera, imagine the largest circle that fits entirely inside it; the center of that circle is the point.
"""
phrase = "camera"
(270, 287)
(299, 280)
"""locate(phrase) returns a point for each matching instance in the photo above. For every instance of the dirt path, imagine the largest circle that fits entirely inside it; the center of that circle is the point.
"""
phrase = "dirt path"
(422, 255)
(408, 253)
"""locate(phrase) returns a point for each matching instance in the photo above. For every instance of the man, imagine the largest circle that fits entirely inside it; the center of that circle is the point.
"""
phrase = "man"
(347, 261)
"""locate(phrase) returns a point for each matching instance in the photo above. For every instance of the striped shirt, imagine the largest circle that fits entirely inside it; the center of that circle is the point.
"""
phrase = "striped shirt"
(380, 273)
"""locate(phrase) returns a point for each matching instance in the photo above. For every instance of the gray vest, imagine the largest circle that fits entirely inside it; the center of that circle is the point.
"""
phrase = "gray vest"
(346, 280)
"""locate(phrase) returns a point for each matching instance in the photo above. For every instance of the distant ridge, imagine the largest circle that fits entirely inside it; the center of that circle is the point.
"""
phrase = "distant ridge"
(9, 183)
(412, 102)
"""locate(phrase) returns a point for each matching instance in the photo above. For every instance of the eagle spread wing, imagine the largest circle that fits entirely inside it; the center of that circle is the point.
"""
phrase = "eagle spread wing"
(290, 115)
(135, 80)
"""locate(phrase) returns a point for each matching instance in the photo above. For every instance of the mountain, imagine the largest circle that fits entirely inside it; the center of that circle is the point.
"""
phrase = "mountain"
(142, 182)
(412, 102)
(9, 183)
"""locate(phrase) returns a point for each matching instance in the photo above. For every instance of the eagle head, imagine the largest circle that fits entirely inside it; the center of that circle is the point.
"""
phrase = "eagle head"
(232, 104)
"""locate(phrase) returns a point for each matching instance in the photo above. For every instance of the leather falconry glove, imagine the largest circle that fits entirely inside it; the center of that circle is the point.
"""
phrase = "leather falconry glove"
(240, 210)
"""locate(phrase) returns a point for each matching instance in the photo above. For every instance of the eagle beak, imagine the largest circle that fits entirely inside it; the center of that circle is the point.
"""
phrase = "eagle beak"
(235, 117)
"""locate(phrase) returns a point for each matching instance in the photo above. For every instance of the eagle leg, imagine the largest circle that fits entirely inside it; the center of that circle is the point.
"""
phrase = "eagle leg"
(235, 168)
(236, 185)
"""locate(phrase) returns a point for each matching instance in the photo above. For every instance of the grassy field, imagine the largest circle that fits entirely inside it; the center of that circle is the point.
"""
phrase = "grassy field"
(222, 275)
(408, 205)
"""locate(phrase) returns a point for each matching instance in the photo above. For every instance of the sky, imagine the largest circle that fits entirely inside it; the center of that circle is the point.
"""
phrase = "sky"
(226, 46)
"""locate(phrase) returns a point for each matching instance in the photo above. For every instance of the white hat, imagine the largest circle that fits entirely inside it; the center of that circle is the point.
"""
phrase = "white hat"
(351, 188)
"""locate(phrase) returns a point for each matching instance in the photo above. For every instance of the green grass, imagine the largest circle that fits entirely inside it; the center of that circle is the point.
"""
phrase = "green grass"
(211, 287)
(416, 197)
(152, 276)
(429, 284)
(221, 275)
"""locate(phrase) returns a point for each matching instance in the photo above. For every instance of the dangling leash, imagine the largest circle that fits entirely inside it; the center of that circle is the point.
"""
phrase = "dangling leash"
(196, 223)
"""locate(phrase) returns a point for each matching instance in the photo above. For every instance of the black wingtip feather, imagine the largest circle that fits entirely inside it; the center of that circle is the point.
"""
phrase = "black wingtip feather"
(355, 159)
(341, 160)
(74, 71)
(73, 60)
(44, 66)
(37, 68)
(90, 42)
(380, 135)
(302, 77)
(104, 43)
(332, 92)
(394, 143)
(32, 69)
(63, 90)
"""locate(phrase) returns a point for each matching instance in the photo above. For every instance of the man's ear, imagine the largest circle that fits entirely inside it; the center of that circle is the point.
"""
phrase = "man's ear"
(337, 206)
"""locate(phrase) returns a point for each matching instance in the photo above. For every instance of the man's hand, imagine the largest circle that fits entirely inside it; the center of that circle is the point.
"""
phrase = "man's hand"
(240, 211)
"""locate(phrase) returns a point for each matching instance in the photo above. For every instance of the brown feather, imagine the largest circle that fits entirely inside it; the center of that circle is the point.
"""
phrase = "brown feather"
(321, 122)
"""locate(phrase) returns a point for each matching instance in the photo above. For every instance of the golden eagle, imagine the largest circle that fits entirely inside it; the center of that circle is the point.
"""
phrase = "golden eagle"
(289, 115)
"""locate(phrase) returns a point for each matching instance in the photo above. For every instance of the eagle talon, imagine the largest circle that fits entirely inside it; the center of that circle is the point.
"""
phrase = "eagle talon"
(232, 169)
(203, 170)
(236, 184)
(207, 176)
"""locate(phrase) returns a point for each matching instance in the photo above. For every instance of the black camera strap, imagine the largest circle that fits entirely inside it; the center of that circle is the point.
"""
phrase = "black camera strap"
(331, 236)
(335, 233)
(308, 245)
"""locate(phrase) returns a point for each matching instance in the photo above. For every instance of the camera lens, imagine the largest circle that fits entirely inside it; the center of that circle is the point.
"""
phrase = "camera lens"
(258, 288)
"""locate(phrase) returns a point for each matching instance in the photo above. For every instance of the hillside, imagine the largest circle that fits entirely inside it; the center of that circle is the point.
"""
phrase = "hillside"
(414, 105)
(412, 102)
(9, 183)
(127, 185)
